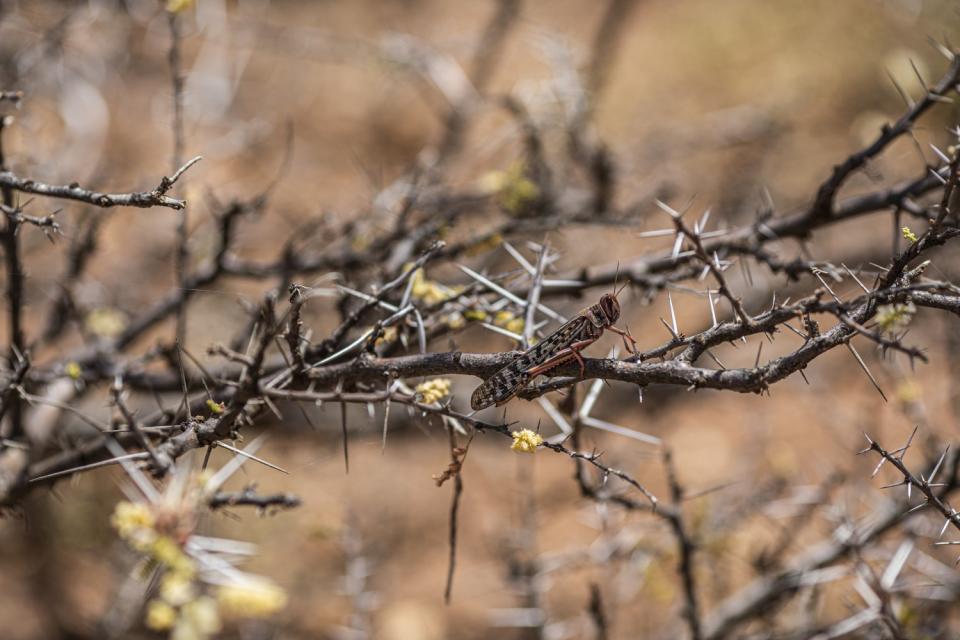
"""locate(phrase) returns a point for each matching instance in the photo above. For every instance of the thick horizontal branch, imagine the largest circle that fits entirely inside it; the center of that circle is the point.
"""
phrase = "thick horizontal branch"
(670, 372)
(679, 370)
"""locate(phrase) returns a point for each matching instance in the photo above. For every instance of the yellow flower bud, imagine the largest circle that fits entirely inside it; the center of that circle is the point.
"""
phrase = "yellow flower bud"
(177, 587)
(106, 323)
(475, 314)
(892, 318)
(434, 390)
(130, 518)
(251, 600)
(160, 615)
(526, 441)
(516, 325)
(200, 617)
(73, 370)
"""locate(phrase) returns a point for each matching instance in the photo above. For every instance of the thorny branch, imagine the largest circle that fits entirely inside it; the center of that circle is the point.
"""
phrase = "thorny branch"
(250, 498)
(395, 321)
(73, 191)
(926, 486)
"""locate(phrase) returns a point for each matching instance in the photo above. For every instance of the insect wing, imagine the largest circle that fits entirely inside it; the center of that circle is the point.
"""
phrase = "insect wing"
(504, 384)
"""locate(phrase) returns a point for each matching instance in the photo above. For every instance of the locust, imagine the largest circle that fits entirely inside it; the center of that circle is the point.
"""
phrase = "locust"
(559, 347)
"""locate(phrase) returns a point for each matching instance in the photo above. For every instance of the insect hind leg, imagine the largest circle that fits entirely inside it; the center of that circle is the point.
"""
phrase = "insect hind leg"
(570, 353)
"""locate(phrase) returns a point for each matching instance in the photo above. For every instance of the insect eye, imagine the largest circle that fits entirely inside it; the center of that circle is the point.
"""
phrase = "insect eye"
(610, 307)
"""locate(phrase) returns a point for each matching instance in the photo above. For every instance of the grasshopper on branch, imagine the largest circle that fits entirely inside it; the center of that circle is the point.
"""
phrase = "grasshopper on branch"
(559, 347)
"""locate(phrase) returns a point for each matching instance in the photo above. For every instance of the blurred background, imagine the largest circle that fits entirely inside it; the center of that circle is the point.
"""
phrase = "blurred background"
(732, 107)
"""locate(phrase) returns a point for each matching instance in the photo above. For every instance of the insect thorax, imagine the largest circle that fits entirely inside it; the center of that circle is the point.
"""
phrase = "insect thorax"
(596, 316)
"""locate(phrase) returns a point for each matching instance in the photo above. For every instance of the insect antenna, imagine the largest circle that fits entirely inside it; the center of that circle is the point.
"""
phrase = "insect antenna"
(616, 291)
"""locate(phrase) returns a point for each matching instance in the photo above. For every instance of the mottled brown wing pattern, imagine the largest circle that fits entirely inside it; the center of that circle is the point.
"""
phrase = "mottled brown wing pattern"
(505, 383)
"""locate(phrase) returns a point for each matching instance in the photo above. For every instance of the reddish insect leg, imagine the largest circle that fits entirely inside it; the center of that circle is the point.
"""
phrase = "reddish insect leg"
(630, 346)
(573, 351)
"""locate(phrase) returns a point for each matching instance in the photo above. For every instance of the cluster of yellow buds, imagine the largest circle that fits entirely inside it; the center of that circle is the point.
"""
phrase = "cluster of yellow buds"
(196, 619)
(388, 336)
(434, 390)
(514, 190)
(183, 604)
(254, 599)
(526, 441)
(509, 321)
(892, 318)
(909, 235)
(135, 523)
(429, 291)
(475, 314)
(106, 322)
(180, 607)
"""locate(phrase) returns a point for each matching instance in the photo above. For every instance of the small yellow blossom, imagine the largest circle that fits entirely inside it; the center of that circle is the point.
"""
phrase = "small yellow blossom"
(514, 190)
(456, 321)
(251, 600)
(73, 370)
(909, 235)
(526, 441)
(160, 615)
(429, 291)
(216, 408)
(892, 318)
(167, 552)
(475, 314)
(516, 325)
(434, 390)
(389, 335)
(179, 6)
(199, 620)
(106, 322)
(509, 321)
(130, 518)
(177, 587)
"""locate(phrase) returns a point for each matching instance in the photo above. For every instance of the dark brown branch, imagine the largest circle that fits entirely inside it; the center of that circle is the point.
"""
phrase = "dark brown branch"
(142, 199)
(9, 237)
(685, 549)
(924, 485)
(823, 204)
(250, 498)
